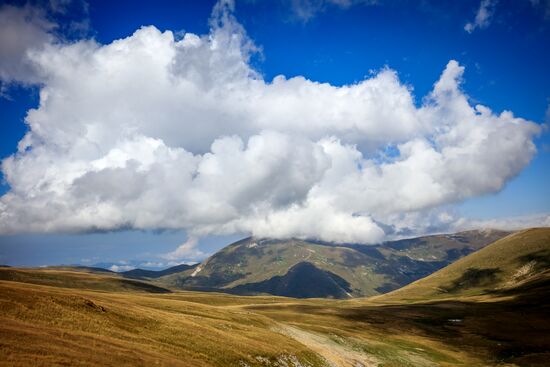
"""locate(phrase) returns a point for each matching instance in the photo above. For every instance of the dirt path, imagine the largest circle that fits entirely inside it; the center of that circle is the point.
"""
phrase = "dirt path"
(336, 355)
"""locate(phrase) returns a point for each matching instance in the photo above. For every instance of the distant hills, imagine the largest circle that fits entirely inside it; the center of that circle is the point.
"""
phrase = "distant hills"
(79, 278)
(306, 269)
(153, 274)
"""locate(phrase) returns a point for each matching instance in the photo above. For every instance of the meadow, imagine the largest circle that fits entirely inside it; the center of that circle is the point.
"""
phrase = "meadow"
(83, 318)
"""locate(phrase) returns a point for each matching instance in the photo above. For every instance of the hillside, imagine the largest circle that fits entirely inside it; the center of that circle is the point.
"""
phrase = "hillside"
(512, 262)
(153, 274)
(499, 324)
(263, 266)
(79, 268)
(43, 325)
(303, 280)
(80, 278)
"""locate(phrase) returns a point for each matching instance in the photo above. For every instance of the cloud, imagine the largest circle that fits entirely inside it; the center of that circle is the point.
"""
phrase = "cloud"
(151, 132)
(449, 220)
(507, 224)
(22, 30)
(187, 251)
(483, 16)
(305, 10)
(27, 30)
(121, 268)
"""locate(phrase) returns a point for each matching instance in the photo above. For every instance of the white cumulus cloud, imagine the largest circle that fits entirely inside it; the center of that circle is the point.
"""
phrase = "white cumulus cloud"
(154, 132)
(188, 250)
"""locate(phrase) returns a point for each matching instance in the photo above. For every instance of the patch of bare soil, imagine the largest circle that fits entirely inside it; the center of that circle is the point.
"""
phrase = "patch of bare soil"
(335, 354)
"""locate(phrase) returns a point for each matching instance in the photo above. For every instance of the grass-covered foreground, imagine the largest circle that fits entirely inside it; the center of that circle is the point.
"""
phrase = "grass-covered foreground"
(468, 318)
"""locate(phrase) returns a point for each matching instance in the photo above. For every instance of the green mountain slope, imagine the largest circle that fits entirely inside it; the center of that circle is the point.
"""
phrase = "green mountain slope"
(507, 266)
(303, 280)
(258, 266)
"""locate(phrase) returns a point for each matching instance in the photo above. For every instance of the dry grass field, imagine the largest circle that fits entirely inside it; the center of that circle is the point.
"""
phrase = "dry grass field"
(67, 318)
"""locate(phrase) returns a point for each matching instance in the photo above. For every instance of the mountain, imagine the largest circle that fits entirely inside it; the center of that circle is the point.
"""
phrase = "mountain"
(153, 274)
(512, 264)
(303, 280)
(269, 266)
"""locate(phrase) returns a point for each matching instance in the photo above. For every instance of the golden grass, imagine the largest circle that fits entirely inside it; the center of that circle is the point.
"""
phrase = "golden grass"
(503, 258)
(78, 279)
(43, 325)
(61, 317)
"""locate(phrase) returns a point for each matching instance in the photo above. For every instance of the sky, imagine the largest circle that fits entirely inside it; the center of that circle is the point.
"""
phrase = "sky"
(139, 134)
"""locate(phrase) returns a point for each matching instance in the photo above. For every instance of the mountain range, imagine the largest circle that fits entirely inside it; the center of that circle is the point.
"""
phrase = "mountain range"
(307, 269)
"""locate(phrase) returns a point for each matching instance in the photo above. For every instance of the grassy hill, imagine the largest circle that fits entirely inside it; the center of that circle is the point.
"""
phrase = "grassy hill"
(79, 278)
(262, 266)
(501, 324)
(44, 325)
(79, 268)
(153, 274)
(509, 263)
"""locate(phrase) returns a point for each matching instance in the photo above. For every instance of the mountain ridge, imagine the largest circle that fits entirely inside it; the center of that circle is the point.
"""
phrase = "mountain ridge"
(267, 266)
(252, 263)
(138, 273)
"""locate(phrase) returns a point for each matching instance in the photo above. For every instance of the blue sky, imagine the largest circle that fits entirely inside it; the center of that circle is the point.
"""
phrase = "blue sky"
(506, 62)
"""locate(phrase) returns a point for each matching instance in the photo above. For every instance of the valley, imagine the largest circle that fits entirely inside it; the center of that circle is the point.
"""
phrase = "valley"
(462, 314)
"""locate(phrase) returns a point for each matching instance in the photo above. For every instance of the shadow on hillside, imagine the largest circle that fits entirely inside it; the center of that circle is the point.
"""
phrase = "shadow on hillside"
(511, 330)
(474, 278)
(540, 259)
